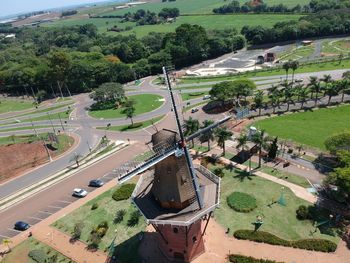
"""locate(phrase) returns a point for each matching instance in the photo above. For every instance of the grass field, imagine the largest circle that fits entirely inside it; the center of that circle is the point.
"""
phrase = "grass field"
(20, 252)
(52, 116)
(144, 103)
(193, 95)
(309, 128)
(335, 47)
(14, 105)
(209, 22)
(273, 72)
(106, 211)
(27, 128)
(278, 220)
(126, 128)
(298, 53)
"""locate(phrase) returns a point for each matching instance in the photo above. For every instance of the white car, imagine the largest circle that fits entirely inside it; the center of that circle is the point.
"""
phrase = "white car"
(79, 192)
(206, 97)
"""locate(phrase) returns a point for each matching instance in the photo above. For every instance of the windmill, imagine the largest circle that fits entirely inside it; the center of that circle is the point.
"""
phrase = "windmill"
(176, 196)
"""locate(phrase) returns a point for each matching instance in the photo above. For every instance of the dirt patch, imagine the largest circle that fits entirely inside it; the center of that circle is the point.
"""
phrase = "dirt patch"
(238, 125)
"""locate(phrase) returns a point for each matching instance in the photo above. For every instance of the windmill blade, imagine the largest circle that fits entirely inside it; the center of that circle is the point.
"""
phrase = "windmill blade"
(133, 168)
(210, 127)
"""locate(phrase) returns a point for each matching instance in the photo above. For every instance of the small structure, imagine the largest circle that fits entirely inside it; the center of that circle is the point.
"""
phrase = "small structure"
(307, 42)
(270, 57)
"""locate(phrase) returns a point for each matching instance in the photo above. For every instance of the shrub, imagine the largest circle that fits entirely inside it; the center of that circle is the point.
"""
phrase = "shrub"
(95, 241)
(241, 202)
(219, 172)
(265, 237)
(302, 212)
(37, 255)
(101, 229)
(124, 192)
(243, 259)
(135, 125)
(134, 218)
(94, 206)
(78, 227)
(119, 216)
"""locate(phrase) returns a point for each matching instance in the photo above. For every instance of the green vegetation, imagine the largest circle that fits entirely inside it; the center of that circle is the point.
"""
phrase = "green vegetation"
(125, 235)
(308, 128)
(14, 105)
(273, 72)
(336, 47)
(25, 252)
(265, 237)
(53, 116)
(298, 53)
(143, 103)
(278, 220)
(123, 192)
(187, 108)
(241, 202)
(135, 127)
(193, 95)
(243, 259)
(27, 128)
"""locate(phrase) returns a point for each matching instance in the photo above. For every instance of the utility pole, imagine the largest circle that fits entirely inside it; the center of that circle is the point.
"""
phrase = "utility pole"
(36, 133)
(59, 116)
(47, 150)
(53, 128)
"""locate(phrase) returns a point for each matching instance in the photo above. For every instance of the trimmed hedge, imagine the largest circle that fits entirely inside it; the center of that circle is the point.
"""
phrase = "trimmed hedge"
(243, 259)
(241, 202)
(38, 255)
(322, 245)
(123, 192)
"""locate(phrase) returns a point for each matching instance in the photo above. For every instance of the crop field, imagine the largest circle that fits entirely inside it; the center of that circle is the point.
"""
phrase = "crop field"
(308, 128)
(208, 22)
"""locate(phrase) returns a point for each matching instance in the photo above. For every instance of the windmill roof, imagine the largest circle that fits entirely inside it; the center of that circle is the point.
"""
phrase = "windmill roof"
(155, 214)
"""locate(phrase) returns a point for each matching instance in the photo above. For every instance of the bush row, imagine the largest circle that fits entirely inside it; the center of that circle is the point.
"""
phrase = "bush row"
(265, 237)
(124, 192)
(243, 259)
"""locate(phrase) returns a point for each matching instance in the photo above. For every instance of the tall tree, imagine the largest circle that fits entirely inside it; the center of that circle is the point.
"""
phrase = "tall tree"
(315, 87)
(129, 110)
(208, 135)
(258, 100)
(222, 135)
(260, 139)
(59, 64)
(191, 126)
(286, 67)
(294, 66)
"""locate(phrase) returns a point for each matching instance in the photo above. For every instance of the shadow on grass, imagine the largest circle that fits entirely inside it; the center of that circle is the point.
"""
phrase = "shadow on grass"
(243, 175)
(127, 251)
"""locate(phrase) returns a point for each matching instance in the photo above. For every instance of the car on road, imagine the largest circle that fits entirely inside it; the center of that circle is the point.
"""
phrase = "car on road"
(298, 80)
(21, 226)
(96, 183)
(194, 110)
(206, 97)
(79, 192)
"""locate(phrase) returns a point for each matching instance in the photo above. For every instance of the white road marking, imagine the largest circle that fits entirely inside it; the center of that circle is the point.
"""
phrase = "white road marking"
(147, 131)
(63, 201)
(14, 230)
(56, 207)
(4, 236)
(45, 212)
(36, 218)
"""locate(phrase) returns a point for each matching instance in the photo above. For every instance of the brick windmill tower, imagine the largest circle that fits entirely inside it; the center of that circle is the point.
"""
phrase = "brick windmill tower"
(174, 195)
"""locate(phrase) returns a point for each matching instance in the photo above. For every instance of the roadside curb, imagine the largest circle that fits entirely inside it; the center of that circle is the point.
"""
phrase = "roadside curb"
(23, 194)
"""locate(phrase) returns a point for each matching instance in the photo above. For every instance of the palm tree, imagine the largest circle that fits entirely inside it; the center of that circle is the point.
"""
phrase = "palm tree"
(286, 67)
(315, 86)
(331, 90)
(343, 86)
(261, 140)
(303, 95)
(258, 100)
(294, 66)
(208, 135)
(274, 95)
(242, 141)
(288, 93)
(191, 126)
(222, 135)
(312, 81)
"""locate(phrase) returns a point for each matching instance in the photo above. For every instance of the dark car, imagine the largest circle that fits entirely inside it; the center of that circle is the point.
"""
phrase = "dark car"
(20, 225)
(96, 183)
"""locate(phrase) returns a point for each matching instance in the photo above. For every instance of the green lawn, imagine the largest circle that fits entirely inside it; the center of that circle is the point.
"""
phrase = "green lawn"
(27, 128)
(187, 108)
(308, 128)
(144, 103)
(106, 211)
(298, 53)
(193, 95)
(335, 47)
(20, 252)
(14, 105)
(126, 128)
(53, 116)
(273, 72)
(278, 220)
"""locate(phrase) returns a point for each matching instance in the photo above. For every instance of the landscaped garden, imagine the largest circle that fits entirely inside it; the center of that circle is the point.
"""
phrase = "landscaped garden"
(32, 250)
(103, 219)
(15, 105)
(278, 220)
(143, 103)
(309, 128)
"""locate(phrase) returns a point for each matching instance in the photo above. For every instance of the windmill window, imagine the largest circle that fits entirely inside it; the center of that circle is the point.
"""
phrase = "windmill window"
(194, 239)
(176, 230)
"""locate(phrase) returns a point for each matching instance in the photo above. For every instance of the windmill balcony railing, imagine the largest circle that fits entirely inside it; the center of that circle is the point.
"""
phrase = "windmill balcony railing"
(211, 177)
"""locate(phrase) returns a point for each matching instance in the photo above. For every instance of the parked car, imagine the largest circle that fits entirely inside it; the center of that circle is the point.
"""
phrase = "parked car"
(298, 80)
(206, 97)
(79, 192)
(96, 183)
(21, 226)
(194, 110)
